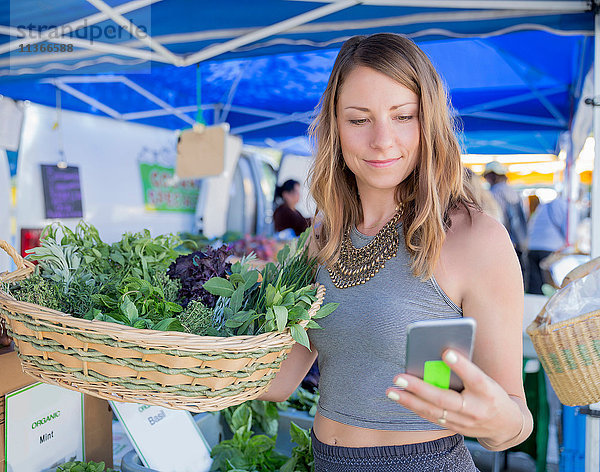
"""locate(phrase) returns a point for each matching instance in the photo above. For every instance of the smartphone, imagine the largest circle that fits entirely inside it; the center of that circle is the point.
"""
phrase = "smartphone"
(427, 340)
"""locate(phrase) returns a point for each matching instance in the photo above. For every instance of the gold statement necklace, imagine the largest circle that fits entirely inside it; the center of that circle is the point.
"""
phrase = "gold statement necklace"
(356, 266)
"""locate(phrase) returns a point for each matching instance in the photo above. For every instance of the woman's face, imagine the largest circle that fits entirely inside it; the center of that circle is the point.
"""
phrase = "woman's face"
(378, 123)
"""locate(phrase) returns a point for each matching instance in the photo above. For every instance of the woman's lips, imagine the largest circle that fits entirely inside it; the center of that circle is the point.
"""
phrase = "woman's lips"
(382, 163)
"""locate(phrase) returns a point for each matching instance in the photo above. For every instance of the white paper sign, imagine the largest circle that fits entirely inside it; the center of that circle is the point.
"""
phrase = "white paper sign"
(164, 439)
(44, 428)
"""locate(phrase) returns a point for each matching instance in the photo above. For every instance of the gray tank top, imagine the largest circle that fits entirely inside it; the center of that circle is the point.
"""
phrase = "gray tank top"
(362, 344)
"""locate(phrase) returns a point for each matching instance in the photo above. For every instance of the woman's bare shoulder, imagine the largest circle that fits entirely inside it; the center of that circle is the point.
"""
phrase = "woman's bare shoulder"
(476, 233)
(477, 247)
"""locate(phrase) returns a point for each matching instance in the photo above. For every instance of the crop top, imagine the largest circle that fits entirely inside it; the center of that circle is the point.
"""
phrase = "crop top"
(362, 344)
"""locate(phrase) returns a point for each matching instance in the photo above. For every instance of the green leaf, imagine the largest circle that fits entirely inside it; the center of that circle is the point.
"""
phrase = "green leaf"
(306, 299)
(313, 325)
(283, 254)
(168, 324)
(325, 310)
(299, 435)
(277, 299)
(241, 418)
(300, 336)
(298, 313)
(250, 278)
(236, 279)
(219, 286)
(129, 309)
(236, 268)
(270, 295)
(290, 465)
(173, 307)
(289, 299)
(260, 444)
(281, 315)
(104, 300)
(236, 299)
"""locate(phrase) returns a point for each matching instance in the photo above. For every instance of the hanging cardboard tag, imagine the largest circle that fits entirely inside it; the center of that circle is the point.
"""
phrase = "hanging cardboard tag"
(201, 152)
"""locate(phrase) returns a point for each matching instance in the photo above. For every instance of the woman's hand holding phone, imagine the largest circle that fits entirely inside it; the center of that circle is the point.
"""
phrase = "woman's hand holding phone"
(479, 411)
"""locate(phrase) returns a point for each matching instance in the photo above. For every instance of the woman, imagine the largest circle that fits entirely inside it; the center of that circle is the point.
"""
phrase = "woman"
(286, 216)
(393, 211)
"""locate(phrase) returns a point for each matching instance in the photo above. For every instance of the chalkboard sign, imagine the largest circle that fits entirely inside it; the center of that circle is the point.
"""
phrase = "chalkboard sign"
(62, 191)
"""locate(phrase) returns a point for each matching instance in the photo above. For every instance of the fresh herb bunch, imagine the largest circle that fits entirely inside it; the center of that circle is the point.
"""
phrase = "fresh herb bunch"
(302, 459)
(301, 400)
(246, 451)
(193, 270)
(281, 300)
(60, 263)
(140, 304)
(231, 314)
(265, 416)
(78, 466)
(35, 289)
(294, 270)
(198, 319)
(125, 282)
(95, 253)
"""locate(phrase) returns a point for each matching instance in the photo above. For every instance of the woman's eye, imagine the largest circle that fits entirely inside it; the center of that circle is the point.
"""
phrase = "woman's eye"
(404, 117)
(361, 121)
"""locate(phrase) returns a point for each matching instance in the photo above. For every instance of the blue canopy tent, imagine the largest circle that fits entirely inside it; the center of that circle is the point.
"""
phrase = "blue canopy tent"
(264, 64)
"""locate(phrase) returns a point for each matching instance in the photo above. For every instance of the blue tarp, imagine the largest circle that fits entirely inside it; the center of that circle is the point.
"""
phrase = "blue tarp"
(514, 77)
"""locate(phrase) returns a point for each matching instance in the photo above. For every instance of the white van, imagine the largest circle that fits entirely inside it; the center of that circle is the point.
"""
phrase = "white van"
(110, 155)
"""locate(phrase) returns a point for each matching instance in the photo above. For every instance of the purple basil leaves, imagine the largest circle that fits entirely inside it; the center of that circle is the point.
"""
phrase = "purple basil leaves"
(193, 270)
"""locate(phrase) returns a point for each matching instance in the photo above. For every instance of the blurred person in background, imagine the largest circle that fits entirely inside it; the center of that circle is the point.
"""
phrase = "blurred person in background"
(547, 233)
(513, 215)
(483, 196)
(286, 216)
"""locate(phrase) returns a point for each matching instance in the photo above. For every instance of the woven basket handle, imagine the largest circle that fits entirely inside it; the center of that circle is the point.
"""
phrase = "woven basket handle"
(316, 306)
(581, 271)
(577, 273)
(540, 319)
(24, 268)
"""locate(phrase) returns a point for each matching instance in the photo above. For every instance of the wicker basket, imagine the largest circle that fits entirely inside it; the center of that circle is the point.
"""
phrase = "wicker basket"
(116, 362)
(570, 350)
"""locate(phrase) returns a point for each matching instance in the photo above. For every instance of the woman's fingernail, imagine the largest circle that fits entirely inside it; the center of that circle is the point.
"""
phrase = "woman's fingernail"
(393, 396)
(401, 382)
(451, 357)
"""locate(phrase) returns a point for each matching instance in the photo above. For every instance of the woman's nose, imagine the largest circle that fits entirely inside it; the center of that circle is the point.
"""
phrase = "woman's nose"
(382, 136)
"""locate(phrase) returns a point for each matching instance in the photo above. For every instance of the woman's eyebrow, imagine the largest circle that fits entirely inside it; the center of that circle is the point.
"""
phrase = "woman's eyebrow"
(391, 108)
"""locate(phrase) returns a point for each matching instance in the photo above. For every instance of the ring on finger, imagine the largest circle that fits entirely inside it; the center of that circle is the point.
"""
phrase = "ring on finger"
(442, 419)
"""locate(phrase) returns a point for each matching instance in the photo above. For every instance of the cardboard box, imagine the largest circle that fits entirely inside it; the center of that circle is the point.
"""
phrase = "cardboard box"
(97, 412)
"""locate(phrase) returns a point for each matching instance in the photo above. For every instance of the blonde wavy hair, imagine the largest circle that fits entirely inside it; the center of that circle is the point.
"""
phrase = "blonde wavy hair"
(437, 184)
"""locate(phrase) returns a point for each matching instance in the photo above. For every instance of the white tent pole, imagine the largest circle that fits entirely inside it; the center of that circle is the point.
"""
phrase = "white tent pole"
(136, 32)
(595, 213)
(216, 50)
(592, 425)
(550, 5)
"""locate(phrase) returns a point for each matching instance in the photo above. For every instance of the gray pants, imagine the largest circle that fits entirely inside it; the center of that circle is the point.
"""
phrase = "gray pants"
(446, 454)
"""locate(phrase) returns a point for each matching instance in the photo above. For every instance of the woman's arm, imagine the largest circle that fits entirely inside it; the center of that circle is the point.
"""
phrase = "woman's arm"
(494, 297)
(293, 370)
(492, 406)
